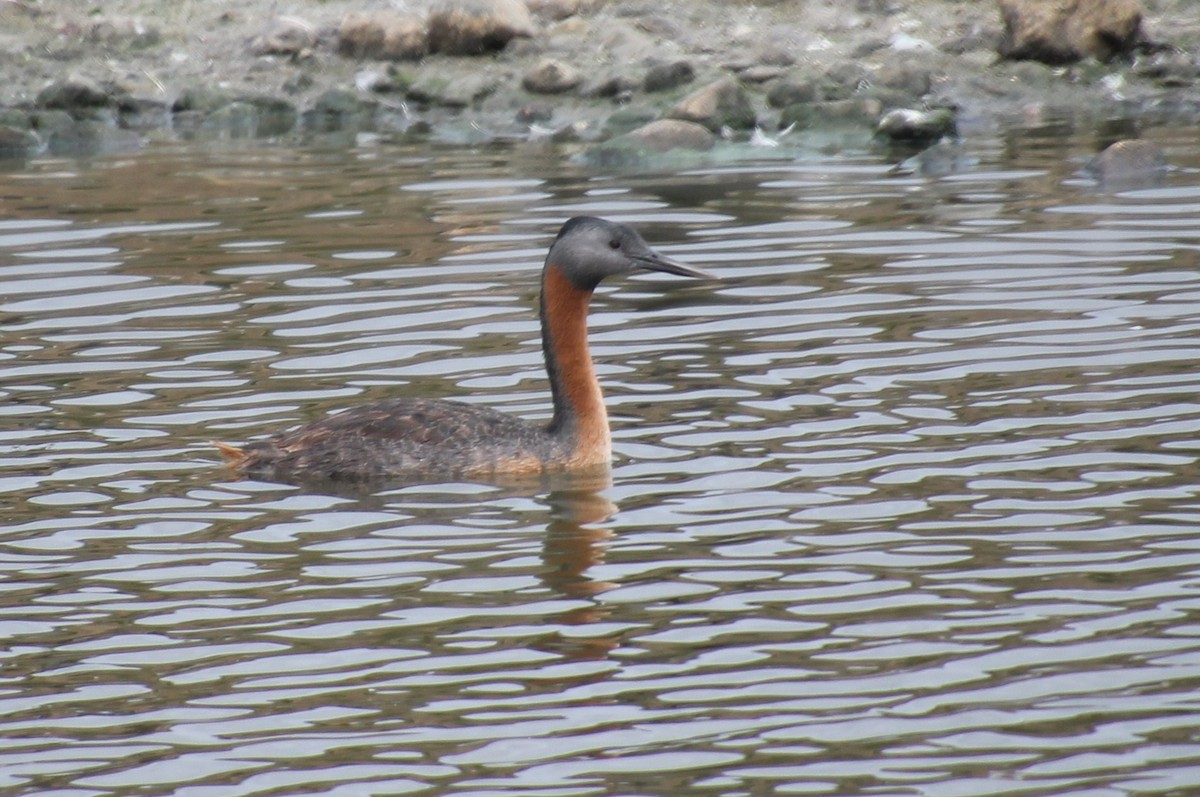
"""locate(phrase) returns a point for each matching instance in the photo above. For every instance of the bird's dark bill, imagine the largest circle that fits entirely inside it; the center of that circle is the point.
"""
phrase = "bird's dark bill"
(657, 262)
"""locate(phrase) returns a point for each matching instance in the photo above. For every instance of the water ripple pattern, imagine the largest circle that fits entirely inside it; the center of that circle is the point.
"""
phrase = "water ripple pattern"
(905, 505)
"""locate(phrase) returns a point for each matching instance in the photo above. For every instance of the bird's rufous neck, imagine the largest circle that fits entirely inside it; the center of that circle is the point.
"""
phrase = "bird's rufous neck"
(579, 410)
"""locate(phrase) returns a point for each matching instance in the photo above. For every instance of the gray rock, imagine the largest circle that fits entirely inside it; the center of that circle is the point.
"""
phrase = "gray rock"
(338, 109)
(16, 118)
(551, 76)
(972, 41)
(535, 113)
(339, 102)
(869, 47)
(907, 78)
(90, 137)
(448, 91)
(124, 32)
(1067, 31)
(793, 89)
(137, 113)
(664, 77)
(571, 132)
(1169, 67)
(298, 82)
(276, 115)
(381, 35)
(474, 27)
(200, 98)
(775, 52)
(616, 86)
(246, 117)
(943, 158)
(908, 125)
(717, 105)
(75, 95)
(843, 80)
(236, 120)
(560, 9)
(1129, 162)
(801, 115)
(49, 122)
(861, 110)
(17, 142)
(629, 118)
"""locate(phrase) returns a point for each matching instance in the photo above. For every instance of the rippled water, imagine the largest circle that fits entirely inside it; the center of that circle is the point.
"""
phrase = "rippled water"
(906, 505)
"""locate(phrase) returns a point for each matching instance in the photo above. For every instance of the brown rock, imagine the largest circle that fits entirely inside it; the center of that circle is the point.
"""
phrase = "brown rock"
(759, 74)
(1130, 162)
(552, 77)
(384, 35)
(474, 27)
(286, 36)
(720, 104)
(667, 134)
(1066, 31)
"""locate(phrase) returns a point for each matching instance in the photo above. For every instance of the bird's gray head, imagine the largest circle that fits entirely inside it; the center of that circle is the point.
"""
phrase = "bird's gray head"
(589, 249)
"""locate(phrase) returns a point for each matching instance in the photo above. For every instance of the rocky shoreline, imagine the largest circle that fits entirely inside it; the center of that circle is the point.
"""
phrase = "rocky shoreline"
(615, 77)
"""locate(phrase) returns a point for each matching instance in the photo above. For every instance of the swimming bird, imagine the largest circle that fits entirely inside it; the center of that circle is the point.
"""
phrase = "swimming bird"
(406, 437)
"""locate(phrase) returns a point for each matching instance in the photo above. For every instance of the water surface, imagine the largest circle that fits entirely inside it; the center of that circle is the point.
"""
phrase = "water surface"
(904, 505)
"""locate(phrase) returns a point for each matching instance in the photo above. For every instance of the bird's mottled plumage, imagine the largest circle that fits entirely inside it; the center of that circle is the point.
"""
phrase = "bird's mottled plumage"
(404, 435)
(416, 436)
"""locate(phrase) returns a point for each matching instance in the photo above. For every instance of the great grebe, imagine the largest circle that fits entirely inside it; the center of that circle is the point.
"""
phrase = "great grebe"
(417, 436)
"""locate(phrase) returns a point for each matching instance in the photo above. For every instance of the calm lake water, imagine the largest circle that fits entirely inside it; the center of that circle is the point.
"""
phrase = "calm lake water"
(907, 504)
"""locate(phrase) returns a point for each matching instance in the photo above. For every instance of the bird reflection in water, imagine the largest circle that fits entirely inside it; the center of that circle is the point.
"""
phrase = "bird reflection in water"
(576, 540)
(576, 510)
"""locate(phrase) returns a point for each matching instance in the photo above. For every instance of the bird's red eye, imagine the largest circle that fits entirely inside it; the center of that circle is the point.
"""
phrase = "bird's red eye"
(614, 244)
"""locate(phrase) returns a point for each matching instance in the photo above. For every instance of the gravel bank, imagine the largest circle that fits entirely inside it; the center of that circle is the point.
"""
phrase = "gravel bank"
(96, 77)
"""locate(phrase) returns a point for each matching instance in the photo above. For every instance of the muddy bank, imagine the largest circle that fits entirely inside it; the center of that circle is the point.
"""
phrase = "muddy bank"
(591, 73)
